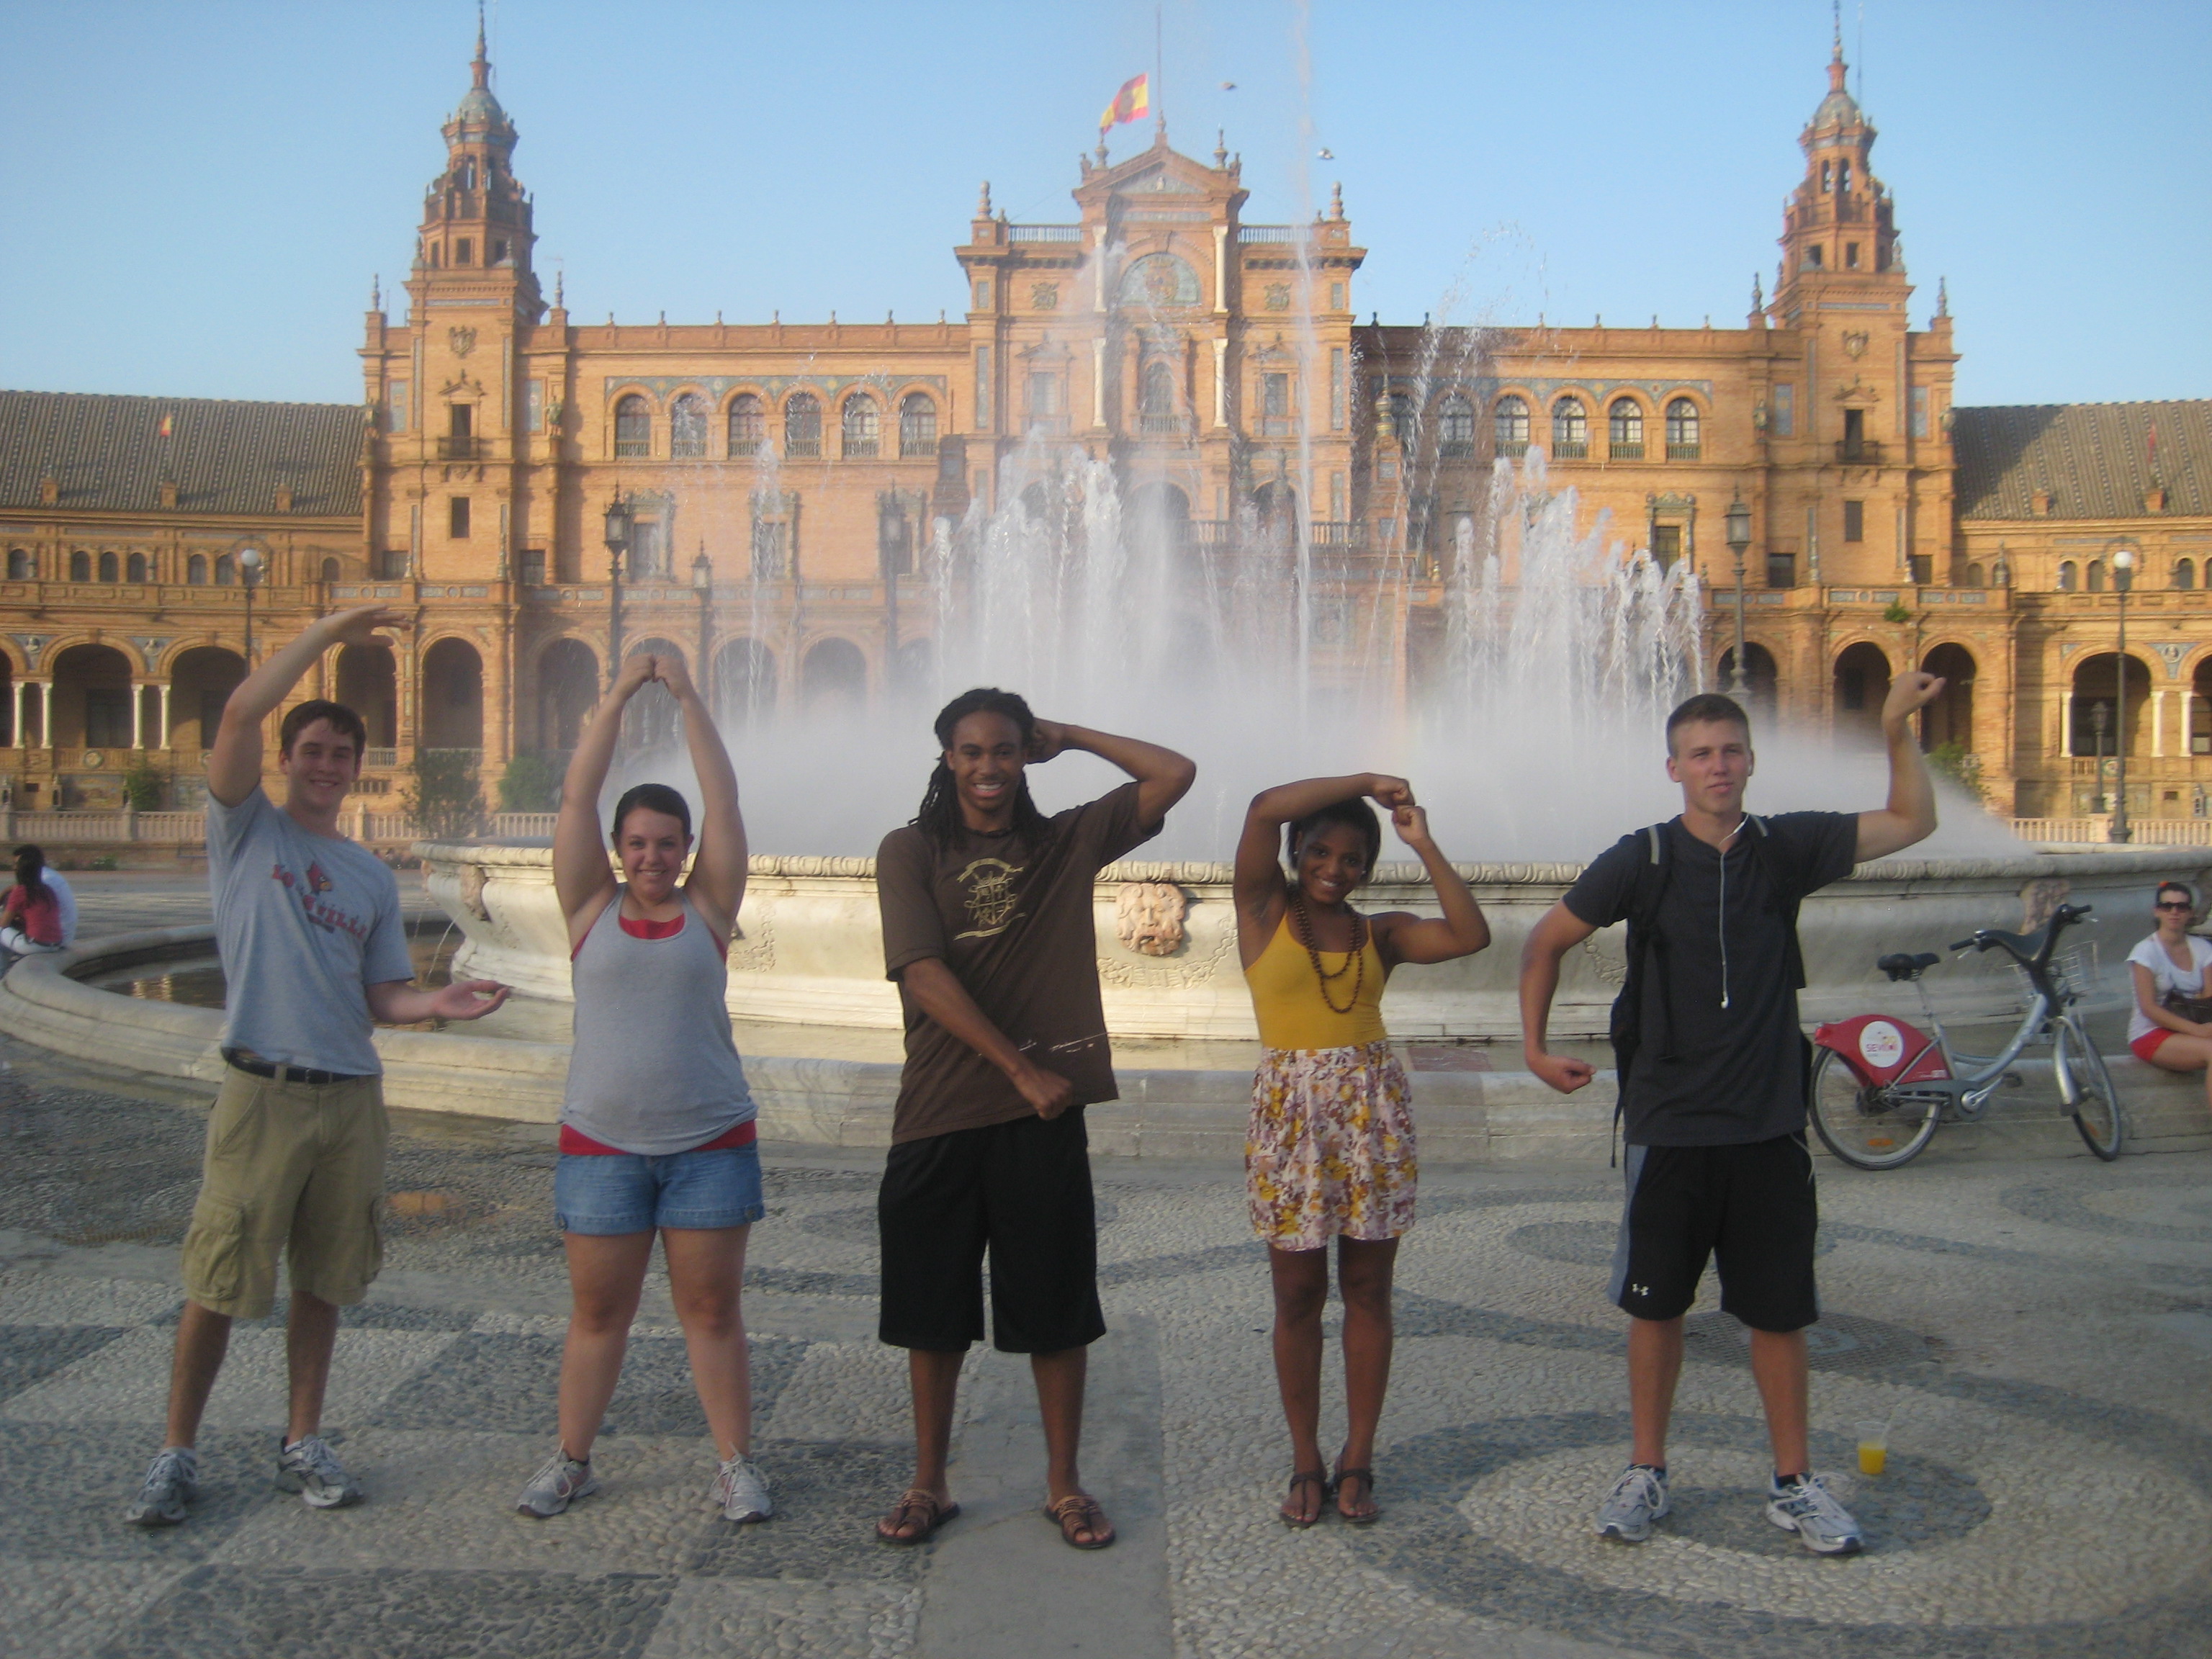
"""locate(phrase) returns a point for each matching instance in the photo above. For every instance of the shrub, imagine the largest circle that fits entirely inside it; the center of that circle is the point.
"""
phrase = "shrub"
(142, 786)
(531, 783)
(445, 801)
(1898, 611)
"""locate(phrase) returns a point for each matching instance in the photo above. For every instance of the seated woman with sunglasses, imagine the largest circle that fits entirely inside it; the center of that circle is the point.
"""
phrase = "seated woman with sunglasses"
(2171, 1024)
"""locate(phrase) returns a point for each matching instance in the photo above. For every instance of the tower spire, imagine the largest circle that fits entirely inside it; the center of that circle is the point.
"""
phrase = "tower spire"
(480, 69)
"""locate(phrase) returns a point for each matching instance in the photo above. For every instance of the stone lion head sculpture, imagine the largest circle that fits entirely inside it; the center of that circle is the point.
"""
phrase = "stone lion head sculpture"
(1148, 915)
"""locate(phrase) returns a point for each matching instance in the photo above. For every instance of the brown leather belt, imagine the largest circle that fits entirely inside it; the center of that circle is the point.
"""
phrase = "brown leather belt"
(254, 1066)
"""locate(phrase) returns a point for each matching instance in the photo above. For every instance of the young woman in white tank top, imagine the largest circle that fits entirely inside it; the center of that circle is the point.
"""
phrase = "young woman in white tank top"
(657, 1127)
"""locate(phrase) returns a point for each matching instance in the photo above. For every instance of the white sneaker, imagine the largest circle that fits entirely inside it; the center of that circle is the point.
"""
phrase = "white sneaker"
(559, 1484)
(742, 1490)
(1809, 1509)
(172, 1480)
(311, 1469)
(1638, 1498)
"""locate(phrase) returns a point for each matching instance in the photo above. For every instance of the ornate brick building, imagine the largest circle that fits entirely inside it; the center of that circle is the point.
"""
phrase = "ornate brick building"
(783, 483)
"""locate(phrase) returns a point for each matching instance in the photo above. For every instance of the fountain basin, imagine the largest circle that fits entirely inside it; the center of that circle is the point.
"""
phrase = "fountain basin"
(809, 948)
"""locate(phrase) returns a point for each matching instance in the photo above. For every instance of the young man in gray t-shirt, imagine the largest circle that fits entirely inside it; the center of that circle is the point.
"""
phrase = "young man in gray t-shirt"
(314, 952)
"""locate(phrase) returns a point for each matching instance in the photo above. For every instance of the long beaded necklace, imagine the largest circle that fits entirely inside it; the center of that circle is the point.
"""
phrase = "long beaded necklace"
(1355, 965)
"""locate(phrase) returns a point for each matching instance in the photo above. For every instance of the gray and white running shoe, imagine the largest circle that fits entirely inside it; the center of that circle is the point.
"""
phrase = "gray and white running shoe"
(1809, 1509)
(1638, 1498)
(312, 1469)
(559, 1484)
(742, 1490)
(172, 1480)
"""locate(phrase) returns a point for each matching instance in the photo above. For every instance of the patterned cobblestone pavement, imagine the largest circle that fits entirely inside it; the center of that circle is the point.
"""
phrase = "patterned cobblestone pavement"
(2036, 1334)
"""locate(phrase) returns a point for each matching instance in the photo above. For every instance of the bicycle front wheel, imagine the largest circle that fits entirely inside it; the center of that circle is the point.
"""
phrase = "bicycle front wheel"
(2096, 1104)
(1868, 1128)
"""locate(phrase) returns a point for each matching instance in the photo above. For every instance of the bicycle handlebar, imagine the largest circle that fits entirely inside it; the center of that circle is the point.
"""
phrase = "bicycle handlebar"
(2065, 916)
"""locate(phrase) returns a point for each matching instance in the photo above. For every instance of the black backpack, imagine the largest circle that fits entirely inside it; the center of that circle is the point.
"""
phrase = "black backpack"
(1647, 948)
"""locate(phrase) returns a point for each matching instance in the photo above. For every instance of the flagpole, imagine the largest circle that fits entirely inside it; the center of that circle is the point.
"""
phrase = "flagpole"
(1159, 111)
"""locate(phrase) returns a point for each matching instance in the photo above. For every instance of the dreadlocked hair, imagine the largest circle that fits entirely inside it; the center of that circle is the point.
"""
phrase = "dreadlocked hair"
(939, 818)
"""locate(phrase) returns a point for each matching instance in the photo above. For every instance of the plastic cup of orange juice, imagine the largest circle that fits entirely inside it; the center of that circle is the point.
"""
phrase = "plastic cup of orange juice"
(1874, 1448)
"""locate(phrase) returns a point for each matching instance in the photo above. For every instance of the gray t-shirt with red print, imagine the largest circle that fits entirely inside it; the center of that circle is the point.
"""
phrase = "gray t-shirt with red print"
(305, 923)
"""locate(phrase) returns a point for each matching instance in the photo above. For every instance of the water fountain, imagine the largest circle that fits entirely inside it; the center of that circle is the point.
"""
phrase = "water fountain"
(1531, 723)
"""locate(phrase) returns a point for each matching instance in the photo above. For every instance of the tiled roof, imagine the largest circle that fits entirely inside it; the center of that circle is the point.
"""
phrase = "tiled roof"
(108, 453)
(2094, 459)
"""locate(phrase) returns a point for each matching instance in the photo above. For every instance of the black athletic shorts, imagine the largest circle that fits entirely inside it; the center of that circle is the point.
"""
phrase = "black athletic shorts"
(1022, 1191)
(1751, 1208)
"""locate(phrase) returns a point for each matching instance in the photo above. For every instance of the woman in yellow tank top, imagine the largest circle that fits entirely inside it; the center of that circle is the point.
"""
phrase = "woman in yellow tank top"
(1329, 1151)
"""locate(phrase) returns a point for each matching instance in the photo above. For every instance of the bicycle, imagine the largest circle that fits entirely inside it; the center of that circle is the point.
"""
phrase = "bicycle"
(1880, 1086)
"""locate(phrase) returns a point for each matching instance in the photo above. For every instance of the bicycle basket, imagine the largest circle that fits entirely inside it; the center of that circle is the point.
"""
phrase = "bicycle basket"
(2073, 971)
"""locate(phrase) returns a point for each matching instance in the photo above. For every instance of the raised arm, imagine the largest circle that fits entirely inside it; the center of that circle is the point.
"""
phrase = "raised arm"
(1258, 871)
(1460, 931)
(233, 770)
(1558, 933)
(583, 880)
(719, 862)
(1162, 776)
(1911, 815)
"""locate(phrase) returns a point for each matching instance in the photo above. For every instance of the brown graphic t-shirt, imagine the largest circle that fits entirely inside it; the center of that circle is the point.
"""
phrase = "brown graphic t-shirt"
(1013, 922)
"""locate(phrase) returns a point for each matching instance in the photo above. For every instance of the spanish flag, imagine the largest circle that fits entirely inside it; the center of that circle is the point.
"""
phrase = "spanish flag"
(1134, 101)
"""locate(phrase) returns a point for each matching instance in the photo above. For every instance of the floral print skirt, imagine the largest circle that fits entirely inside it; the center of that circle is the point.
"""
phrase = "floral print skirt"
(1330, 1148)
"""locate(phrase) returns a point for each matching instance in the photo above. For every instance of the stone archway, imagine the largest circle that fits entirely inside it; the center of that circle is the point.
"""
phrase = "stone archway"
(369, 683)
(1862, 683)
(1950, 718)
(1762, 683)
(201, 680)
(567, 689)
(745, 684)
(833, 678)
(452, 696)
(91, 699)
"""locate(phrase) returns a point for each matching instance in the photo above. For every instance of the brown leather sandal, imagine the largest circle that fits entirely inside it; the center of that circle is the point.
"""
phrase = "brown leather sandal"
(1372, 1513)
(1306, 1478)
(914, 1504)
(1079, 1512)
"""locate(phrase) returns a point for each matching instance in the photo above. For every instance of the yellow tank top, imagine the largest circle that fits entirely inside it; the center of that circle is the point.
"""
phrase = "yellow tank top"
(1287, 996)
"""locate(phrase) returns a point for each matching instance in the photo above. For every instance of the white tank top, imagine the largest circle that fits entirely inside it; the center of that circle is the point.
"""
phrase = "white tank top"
(655, 1069)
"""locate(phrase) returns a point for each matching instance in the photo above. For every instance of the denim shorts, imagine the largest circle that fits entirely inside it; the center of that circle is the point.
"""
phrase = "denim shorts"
(610, 1193)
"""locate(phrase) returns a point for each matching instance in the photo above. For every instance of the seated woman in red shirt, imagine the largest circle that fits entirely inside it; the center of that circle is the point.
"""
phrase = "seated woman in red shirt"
(30, 914)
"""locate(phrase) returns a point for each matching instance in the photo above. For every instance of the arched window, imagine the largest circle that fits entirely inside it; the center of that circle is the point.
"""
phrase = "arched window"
(333, 570)
(917, 424)
(2184, 573)
(226, 571)
(802, 425)
(1974, 576)
(22, 566)
(2067, 577)
(687, 427)
(1624, 426)
(1570, 429)
(111, 568)
(863, 428)
(747, 425)
(632, 429)
(1683, 428)
(2096, 575)
(196, 571)
(1156, 397)
(1512, 422)
(135, 569)
(80, 566)
(1456, 427)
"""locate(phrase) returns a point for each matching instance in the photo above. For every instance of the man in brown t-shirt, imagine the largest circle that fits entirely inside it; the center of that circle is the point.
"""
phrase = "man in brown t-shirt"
(986, 912)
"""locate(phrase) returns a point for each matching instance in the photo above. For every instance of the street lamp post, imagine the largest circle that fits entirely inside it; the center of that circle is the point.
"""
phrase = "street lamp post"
(617, 540)
(249, 572)
(2124, 565)
(703, 584)
(1739, 538)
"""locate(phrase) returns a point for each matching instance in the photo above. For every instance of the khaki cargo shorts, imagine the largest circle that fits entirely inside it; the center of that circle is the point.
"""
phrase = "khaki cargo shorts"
(290, 1168)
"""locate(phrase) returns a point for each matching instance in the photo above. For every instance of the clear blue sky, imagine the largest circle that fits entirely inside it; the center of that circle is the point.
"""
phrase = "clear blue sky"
(195, 196)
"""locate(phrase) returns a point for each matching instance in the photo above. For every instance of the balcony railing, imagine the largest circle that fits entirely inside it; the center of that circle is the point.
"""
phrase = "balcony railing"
(1625, 452)
(1452, 451)
(802, 449)
(458, 449)
(1044, 232)
(1862, 452)
(862, 449)
(1563, 450)
(1160, 426)
(1684, 451)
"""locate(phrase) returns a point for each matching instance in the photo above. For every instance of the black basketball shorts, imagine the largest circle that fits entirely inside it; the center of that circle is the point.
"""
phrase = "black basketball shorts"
(1750, 1207)
(1020, 1191)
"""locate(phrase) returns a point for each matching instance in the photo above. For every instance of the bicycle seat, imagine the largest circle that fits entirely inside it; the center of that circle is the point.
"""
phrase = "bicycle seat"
(1900, 966)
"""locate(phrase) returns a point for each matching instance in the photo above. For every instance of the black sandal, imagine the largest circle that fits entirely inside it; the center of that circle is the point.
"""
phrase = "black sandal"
(1307, 1477)
(1374, 1512)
